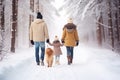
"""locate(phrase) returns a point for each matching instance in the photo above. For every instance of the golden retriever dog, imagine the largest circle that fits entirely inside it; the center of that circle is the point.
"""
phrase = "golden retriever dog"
(49, 57)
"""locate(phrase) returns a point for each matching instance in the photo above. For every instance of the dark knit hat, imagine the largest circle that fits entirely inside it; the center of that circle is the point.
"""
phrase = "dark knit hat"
(39, 15)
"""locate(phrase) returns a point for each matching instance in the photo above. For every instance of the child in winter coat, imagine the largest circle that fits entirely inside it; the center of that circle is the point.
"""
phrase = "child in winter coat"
(57, 50)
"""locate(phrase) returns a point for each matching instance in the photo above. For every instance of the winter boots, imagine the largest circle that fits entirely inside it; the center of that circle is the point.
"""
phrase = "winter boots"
(57, 62)
(42, 63)
(69, 60)
(38, 63)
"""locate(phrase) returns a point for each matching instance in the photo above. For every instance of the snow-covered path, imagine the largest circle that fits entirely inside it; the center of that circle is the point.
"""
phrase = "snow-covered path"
(89, 64)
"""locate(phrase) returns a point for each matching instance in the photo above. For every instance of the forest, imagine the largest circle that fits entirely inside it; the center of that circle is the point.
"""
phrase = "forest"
(98, 21)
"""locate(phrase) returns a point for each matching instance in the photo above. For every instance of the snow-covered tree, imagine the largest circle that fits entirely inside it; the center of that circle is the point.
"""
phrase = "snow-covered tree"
(98, 21)
(1, 28)
(14, 24)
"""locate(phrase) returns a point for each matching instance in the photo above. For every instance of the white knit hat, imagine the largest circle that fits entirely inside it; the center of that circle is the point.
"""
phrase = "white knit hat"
(56, 38)
(70, 20)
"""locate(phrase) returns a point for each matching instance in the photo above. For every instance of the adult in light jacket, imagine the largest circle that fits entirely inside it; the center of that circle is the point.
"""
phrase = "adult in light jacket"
(70, 39)
(38, 36)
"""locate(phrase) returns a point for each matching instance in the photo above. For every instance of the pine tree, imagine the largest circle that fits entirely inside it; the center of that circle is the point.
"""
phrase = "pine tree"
(14, 23)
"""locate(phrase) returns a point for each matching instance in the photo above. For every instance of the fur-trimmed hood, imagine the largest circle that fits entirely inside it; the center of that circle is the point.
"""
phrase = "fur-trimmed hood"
(70, 27)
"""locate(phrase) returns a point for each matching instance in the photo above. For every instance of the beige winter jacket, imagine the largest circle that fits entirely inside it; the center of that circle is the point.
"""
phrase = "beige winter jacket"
(38, 30)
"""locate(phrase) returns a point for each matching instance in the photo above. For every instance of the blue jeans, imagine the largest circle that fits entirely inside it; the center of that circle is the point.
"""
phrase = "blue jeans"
(70, 51)
(42, 46)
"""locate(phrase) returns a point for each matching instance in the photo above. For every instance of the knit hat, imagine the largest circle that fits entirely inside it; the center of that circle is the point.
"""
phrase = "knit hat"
(39, 15)
(70, 20)
(56, 38)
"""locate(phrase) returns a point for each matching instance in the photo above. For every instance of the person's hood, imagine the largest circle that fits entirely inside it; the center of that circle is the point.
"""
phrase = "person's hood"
(38, 21)
(69, 30)
(70, 27)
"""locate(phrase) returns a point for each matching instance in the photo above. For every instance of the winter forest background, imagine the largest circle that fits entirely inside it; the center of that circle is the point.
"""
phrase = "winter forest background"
(98, 21)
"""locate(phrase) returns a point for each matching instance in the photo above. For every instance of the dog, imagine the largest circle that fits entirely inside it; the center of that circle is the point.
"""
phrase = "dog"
(49, 57)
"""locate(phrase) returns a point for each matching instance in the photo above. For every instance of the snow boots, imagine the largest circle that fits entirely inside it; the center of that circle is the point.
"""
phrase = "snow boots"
(69, 60)
(38, 63)
(57, 62)
(42, 63)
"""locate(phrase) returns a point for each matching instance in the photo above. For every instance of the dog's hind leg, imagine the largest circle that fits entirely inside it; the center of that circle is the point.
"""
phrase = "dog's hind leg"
(51, 62)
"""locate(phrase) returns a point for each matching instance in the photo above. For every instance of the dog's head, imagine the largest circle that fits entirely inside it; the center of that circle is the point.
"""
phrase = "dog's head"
(49, 51)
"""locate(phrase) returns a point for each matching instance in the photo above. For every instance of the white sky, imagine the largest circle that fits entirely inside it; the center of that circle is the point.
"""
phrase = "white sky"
(57, 3)
(59, 21)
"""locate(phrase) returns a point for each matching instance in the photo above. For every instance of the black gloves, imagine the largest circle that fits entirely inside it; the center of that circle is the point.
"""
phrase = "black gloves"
(47, 40)
(77, 43)
(32, 42)
(62, 41)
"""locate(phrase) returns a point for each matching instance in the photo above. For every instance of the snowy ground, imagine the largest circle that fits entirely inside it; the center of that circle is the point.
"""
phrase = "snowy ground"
(89, 64)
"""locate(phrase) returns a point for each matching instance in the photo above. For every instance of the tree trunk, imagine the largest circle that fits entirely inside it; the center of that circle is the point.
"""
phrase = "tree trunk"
(1, 29)
(1, 25)
(1, 15)
(14, 23)
(31, 16)
(100, 28)
(37, 6)
(99, 31)
(110, 29)
(116, 27)
(119, 19)
(32, 5)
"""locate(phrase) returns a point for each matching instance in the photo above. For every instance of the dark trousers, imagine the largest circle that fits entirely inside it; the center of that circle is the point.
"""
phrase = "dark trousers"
(70, 51)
